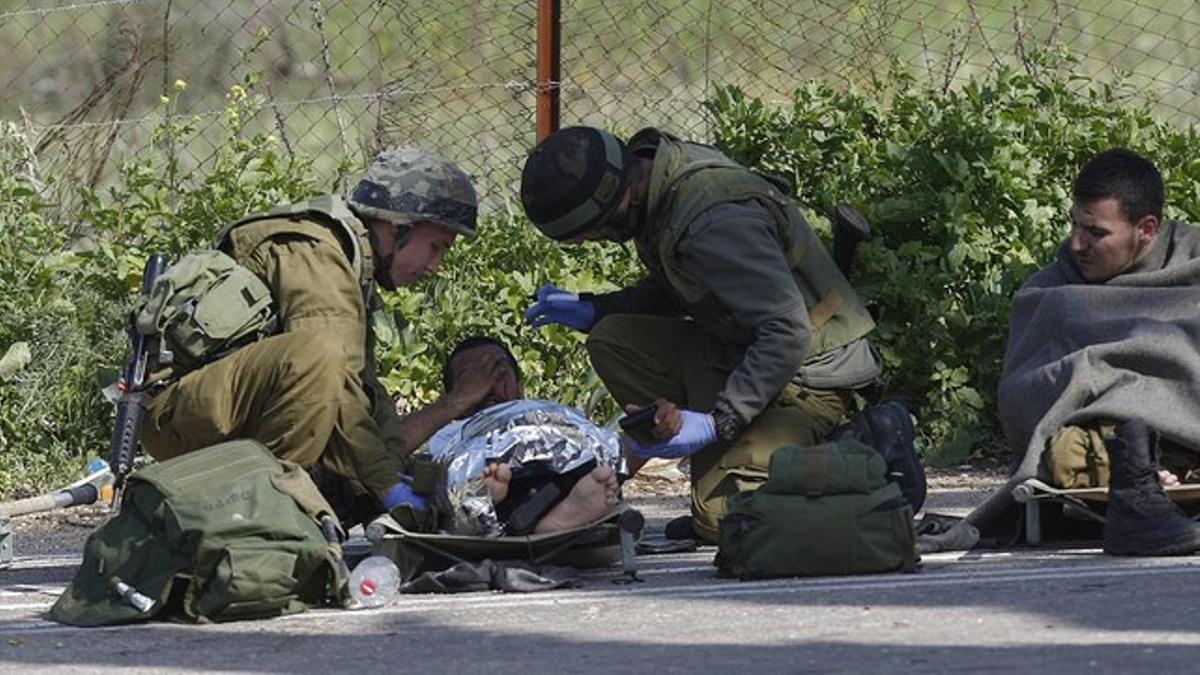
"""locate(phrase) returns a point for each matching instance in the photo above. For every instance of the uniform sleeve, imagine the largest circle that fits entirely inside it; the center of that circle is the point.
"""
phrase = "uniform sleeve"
(647, 296)
(383, 407)
(316, 290)
(732, 250)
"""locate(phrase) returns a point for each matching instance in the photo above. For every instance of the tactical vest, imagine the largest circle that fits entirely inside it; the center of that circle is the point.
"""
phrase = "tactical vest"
(688, 179)
(350, 231)
(327, 209)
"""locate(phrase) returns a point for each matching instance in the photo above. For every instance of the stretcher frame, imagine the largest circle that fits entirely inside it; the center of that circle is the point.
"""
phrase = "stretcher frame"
(1080, 503)
(604, 542)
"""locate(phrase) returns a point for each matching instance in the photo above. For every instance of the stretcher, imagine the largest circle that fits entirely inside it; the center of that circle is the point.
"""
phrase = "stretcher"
(607, 541)
(1080, 504)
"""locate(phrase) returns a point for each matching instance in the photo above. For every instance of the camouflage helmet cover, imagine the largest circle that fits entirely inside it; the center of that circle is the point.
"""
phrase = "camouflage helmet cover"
(406, 185)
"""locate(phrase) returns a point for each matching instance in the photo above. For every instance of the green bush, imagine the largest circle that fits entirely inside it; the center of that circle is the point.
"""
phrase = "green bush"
(69, 279)
(45, 412)
(968, 193)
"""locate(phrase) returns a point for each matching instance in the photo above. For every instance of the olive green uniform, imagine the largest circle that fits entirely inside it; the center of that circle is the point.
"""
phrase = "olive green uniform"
(1076, 457)
(310, 392)
(743, 313)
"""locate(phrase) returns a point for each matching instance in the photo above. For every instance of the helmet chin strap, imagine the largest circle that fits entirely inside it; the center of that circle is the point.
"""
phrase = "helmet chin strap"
(383, 263)
(635, 215)
(628, 227)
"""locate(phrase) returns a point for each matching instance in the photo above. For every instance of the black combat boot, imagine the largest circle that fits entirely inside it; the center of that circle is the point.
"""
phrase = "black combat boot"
(1140, 519)
(679, 528)
(888, 428)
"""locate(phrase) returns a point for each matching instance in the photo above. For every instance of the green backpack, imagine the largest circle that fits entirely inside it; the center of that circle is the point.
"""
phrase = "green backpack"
(226, 532)
(827, 509)
(204, 306)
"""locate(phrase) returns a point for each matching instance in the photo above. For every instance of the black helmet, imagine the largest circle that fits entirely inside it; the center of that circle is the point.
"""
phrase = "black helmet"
(573, 180)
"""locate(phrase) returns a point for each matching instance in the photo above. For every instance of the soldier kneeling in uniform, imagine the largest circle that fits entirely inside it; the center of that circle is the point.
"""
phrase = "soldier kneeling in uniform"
(309, 390)
(743, 320)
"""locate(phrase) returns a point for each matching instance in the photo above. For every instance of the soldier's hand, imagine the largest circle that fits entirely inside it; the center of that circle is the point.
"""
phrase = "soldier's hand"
(555, 306)
(667, 419)
(696, 431)
(473, 384)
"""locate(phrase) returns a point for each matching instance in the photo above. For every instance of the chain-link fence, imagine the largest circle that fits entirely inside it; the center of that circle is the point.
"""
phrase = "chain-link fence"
(631, 64)
(88, 80)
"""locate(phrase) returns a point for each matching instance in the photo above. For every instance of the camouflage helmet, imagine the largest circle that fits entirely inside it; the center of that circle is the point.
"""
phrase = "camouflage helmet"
(408, 185)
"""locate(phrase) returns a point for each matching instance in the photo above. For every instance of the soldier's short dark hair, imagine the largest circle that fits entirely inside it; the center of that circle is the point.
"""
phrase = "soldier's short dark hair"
(471, 343)
(1125, 176)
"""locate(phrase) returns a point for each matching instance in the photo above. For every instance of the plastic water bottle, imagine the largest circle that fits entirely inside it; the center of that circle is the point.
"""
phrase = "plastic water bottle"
(375, 582)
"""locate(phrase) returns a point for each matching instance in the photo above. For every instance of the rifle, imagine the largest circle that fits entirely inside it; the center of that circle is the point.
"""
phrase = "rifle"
(850, 229)
(131, 405)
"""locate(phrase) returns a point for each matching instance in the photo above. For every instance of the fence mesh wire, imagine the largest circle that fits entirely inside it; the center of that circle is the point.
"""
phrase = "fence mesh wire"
(86, 79)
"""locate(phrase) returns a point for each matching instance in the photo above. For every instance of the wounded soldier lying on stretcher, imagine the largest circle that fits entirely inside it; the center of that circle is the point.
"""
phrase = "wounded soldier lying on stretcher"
(519, 466)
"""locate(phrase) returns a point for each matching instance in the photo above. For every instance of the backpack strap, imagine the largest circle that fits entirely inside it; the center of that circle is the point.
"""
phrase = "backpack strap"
(816, 471)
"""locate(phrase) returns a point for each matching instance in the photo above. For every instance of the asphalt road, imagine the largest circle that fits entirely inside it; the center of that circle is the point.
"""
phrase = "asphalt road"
(1050, 610)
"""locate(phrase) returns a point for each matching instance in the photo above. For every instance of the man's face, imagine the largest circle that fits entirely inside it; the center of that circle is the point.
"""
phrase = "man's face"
(1103, 241)
(506, 388)
(419, 255)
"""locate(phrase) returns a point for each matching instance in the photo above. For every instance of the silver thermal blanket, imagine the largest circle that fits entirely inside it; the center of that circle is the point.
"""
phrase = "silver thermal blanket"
(519, 433)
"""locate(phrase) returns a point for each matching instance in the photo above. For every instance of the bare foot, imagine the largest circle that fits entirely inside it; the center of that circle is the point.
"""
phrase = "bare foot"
(593, 496)
(496, 477)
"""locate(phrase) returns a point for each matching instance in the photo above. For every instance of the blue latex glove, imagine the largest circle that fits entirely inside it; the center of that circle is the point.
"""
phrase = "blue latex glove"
(401, 494)
(698, 431)
(554, 305)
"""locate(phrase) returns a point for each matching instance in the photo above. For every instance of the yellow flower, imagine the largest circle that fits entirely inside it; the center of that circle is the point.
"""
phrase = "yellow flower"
(236, 92)
(180, 85)
(164, 99)
(271, 138)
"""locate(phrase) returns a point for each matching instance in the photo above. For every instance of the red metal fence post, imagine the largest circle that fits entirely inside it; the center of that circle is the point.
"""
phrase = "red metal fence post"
(549, 61)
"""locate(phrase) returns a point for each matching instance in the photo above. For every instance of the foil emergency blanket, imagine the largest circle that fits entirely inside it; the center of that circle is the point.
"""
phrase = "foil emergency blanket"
(518, 433)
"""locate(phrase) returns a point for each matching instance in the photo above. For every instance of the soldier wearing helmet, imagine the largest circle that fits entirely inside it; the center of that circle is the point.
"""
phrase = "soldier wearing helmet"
(310, 392)
(743, 320)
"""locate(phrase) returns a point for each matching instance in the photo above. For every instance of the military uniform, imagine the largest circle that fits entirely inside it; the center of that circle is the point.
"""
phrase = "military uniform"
(1077, 457)
(310, 392)
(743, 313)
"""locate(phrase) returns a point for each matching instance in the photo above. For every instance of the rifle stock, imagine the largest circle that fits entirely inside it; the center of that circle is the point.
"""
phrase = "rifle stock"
(850, 229)
(131, 406)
